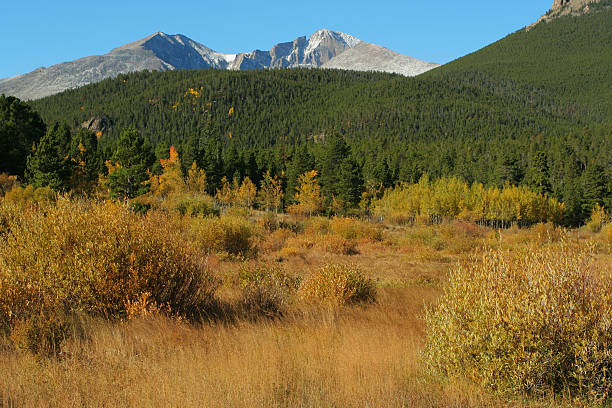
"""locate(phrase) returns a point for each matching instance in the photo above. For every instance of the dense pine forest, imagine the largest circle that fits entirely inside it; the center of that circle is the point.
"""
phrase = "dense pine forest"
(532, 109)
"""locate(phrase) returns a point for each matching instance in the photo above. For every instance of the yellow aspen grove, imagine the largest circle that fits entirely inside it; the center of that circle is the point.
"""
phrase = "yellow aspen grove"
(270, 194)
(452, 198)
(308, 195)
(196, 179)
(225, 195)
(245, 195)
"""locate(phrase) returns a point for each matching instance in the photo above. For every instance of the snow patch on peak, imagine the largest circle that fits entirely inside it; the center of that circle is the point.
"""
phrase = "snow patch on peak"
(229, 57)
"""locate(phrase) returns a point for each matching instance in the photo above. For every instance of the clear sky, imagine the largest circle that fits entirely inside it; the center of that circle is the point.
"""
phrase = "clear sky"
(39, 33)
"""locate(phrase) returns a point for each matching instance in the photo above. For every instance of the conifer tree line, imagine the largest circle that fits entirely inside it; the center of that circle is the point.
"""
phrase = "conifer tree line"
(361, 132)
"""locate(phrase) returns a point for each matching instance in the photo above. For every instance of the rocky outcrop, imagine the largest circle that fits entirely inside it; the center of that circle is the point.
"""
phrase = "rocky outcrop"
(97, 124)
(565, 7)
(311, 52)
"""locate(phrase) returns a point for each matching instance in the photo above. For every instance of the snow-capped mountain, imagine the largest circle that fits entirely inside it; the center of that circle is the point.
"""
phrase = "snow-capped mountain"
(161, 51)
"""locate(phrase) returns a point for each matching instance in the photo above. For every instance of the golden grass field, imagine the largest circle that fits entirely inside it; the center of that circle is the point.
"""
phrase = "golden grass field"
(314, 355)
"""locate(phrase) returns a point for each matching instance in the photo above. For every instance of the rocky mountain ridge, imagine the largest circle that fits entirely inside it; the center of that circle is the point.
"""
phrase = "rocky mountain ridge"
(561, 8)
(161, 51)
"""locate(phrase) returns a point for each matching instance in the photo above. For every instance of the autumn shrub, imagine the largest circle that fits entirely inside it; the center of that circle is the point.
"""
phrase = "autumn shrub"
(275, 240)
(598, 218)
(269, 221)
(318, 225)
(338, 285)
(266, 290)
(30, 195)
(526, 322)
(7, 183)
(606, 233)
(83, 256)
(351, 228)
(337, 244)
(195, 205)
(228, 234)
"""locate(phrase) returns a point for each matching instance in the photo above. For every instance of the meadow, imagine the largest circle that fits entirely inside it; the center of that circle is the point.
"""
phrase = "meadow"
(101, 306)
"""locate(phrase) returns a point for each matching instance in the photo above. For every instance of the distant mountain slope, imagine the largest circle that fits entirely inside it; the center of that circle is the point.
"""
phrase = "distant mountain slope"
(371, 57)
(161, 52)
(569, 57)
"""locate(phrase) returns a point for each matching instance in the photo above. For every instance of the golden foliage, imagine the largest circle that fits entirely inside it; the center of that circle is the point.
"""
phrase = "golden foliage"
(338, 285)
(94, 257)
(196, 179)
(598, 218)
(231, 235)
(7, 183)
(452, 198)
(270, 195)
(246, 193)
(308, 195)
(526, 322)
(30, 195)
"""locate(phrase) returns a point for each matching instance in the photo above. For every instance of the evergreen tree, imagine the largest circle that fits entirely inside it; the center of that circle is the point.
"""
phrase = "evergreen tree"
(594, 188)
(333, 154)
(301, 162)
(20, 129)
(507, 169)
(350, 183)
(85, 160)
(538, 175)
(49, 164)
(128, 166)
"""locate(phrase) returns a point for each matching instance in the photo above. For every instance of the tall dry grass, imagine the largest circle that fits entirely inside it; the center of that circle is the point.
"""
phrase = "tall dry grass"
(323, 357)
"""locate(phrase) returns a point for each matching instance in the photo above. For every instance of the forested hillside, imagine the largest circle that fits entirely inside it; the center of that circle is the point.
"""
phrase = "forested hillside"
(570, 57)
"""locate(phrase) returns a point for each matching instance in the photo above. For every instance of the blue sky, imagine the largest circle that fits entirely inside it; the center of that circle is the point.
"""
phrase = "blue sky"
(41, 33)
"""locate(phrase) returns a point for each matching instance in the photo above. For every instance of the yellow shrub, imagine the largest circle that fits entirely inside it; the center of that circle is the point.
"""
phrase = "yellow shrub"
(275, 240)
(599, 217)
(30, 196)
(266, 290)
(234, 235)
(317, 225)
(350, 228)
(337, 244)
(338, 285)
(94, 257)
(526, 322)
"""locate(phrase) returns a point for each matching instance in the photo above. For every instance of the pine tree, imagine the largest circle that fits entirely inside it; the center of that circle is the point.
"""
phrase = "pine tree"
(20, 129)
(128, 166)
(85, 161)
(334, 152)
(350, 183)
(49, 164)
(301, 162)
(538, 175)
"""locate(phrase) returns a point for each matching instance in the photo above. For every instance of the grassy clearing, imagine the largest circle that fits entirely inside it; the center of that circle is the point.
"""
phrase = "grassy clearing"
(267, 344)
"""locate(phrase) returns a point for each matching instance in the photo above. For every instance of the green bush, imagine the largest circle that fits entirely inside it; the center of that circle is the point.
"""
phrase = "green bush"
(196, 205)
(338, 285)
(527, 322)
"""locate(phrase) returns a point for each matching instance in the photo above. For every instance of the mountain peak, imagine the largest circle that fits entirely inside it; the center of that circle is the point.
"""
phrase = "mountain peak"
(162, 51)
(561, 8)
